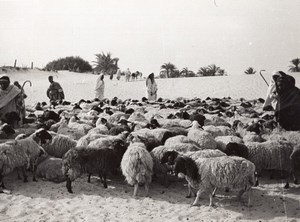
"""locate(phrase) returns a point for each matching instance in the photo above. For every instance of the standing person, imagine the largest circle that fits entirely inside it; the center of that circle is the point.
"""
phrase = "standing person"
(127, 75)
(100, 87)
(11, 102)
(55, 92)
(151, 87)
(118, 74)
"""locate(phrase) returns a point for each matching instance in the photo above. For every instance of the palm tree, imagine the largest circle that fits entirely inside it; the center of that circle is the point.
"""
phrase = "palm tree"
(105, 63)
(249, 71)
(169, 68)
(203, 71)
(185, 72)
(295, 67)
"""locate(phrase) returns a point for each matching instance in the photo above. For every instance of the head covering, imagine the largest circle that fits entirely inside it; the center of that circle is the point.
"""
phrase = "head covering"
(4, 79)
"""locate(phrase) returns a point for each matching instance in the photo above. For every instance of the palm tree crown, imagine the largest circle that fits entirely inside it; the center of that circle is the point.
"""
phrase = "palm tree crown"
(295, 67)
(249, 71)
(169, 68)
(105, 63)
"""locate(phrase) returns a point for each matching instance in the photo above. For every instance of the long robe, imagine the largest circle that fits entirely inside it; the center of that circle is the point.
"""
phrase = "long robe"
(99, 89)
(11, 101)
(288, 107)
(151, 90)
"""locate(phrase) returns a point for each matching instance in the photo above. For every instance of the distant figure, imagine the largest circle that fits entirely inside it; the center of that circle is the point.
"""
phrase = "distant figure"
(118, 74)
(127, 75)
(133, 76)
(100, 87)
(151, 87)
(12, 106)
(55, 92)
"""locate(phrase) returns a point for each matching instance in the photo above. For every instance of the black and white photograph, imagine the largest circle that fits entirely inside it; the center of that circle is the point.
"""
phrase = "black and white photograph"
(137, 110)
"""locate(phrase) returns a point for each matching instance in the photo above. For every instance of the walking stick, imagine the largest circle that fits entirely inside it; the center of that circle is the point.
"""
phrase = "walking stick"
(263, 77)
(22, 113)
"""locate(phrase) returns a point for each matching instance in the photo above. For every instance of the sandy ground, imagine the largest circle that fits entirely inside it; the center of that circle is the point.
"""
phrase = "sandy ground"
(47, 201)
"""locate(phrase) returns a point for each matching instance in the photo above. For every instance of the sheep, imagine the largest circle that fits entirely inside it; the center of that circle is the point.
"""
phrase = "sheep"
(81, 160)
(87, 139)
(137, 166)
(6, 131)
(216, 173)
(151, 138)
(222, 141)
(71, 132)
(100, 129)
(50, 169)
(218, 130)
(59, 145)
(81, 127)
(272, 155)
(170, 156)
(22, 153)
(107, 141)
(202, 138)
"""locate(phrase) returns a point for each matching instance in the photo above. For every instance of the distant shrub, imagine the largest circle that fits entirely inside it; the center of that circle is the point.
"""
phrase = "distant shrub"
(250, 71)
(74, 64)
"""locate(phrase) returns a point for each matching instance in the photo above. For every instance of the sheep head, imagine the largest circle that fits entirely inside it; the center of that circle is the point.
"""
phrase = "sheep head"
(41, 136)
(186, 166)
(169, 157)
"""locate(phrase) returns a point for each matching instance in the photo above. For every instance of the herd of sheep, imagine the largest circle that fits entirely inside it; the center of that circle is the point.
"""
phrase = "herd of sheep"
(216, 144)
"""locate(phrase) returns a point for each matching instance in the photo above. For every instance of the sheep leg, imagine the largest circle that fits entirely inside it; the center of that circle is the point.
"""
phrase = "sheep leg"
(249, 197)
(34, 173)
(189, 191)
(256, 179)
(136, 186)
(147, 189)
(69, 185)
(2, 182)
(211, 199)
(18, 173)
(24, 175)
(196, 202)
(287, 185)
(89, 178)
(214, 192)
(104, 181)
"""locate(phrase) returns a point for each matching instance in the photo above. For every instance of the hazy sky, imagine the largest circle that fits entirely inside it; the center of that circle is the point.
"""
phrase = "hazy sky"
(234, 35)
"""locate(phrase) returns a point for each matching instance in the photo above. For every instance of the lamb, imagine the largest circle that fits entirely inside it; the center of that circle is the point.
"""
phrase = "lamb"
(59, 145)
(22, 153)
(137, 166)
(50, 169)
(202, 138)
(81, 160)
(217, 173)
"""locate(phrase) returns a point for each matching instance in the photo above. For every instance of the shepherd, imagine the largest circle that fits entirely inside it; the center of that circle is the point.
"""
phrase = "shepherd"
(55, 92)
(12, 104)
(100, 87)
(151, 87)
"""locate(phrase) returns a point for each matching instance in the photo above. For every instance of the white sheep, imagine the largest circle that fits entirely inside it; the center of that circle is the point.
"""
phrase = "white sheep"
(218, 130)
(50, 169)
(272, 155)
(137, 166)
(207, 174)
(203, 139)
(59, 145)
(22, 153)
